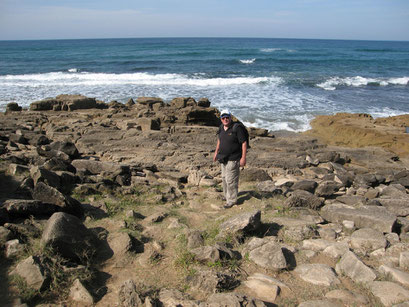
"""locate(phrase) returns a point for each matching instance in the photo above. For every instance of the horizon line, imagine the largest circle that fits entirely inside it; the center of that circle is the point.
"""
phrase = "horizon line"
(197, 37)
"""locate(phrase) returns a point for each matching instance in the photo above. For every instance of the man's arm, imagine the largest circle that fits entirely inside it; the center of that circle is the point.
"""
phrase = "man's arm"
(217, 150)
(243, 154)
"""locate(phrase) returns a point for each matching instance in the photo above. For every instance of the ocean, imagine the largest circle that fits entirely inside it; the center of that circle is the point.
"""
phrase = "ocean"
(277, 84)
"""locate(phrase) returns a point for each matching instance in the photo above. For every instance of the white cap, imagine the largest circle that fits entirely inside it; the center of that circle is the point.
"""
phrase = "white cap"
(224, 113)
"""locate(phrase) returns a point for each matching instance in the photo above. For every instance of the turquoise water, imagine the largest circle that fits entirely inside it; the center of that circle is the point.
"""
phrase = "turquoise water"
(269, 83)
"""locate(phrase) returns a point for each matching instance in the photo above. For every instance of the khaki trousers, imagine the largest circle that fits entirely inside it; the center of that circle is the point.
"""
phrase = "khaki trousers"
(230, 178)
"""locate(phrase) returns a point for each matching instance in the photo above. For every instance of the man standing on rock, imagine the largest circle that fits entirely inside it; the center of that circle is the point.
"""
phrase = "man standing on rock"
(231, 150)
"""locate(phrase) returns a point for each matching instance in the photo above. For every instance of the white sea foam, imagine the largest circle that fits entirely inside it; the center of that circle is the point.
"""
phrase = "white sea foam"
(95, 79)
(251, 61)
(73, 70)
(270, 49)
(358, 81)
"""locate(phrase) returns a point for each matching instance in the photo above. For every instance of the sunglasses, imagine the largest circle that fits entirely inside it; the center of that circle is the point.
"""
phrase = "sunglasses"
(226, 117)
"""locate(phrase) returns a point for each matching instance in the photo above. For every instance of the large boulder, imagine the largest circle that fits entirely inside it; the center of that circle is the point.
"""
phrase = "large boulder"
(242, 224)
(98, 167)
(64, 102)
(269, 256)
(375, 217)
(50, 195)
(351, 266)
(301, 198)
(254, 174)
(67, 235)
(26, 208)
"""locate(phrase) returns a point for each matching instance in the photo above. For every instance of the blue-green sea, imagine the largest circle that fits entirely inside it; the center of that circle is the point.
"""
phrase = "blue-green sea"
(269, 83)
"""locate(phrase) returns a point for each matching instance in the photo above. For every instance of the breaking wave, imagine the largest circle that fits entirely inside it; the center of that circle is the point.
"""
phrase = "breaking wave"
(358, 81)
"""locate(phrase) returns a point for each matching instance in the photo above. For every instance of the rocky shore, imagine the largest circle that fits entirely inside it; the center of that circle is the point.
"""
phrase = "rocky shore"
(110, 204)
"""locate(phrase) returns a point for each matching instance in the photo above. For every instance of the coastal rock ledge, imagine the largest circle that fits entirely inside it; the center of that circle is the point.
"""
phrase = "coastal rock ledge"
(111, 204)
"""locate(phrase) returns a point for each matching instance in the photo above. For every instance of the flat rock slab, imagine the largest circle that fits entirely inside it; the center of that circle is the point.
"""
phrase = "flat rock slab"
(351, 266)
(269, 256)
(320, 303)
(347, 297)
(396, 275)
(317, 274)
(375, 217)
(243, 223)
(388, 292)
(368, 240)
(262, 289)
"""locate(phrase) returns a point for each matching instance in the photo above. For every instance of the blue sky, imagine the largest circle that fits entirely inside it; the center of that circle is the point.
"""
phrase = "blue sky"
(332, 19)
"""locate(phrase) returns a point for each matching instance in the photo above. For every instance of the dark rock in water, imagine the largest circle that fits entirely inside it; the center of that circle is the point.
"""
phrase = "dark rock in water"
(13, 107)
(48, 194)
(68, 236)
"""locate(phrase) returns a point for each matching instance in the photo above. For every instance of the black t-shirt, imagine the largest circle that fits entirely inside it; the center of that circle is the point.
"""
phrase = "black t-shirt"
(231, 143)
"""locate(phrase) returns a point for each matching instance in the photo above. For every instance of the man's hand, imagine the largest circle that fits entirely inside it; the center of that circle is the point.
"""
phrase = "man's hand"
(243, 162)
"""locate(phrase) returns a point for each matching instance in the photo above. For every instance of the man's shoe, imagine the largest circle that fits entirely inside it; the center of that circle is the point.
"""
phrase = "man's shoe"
(226, 206)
